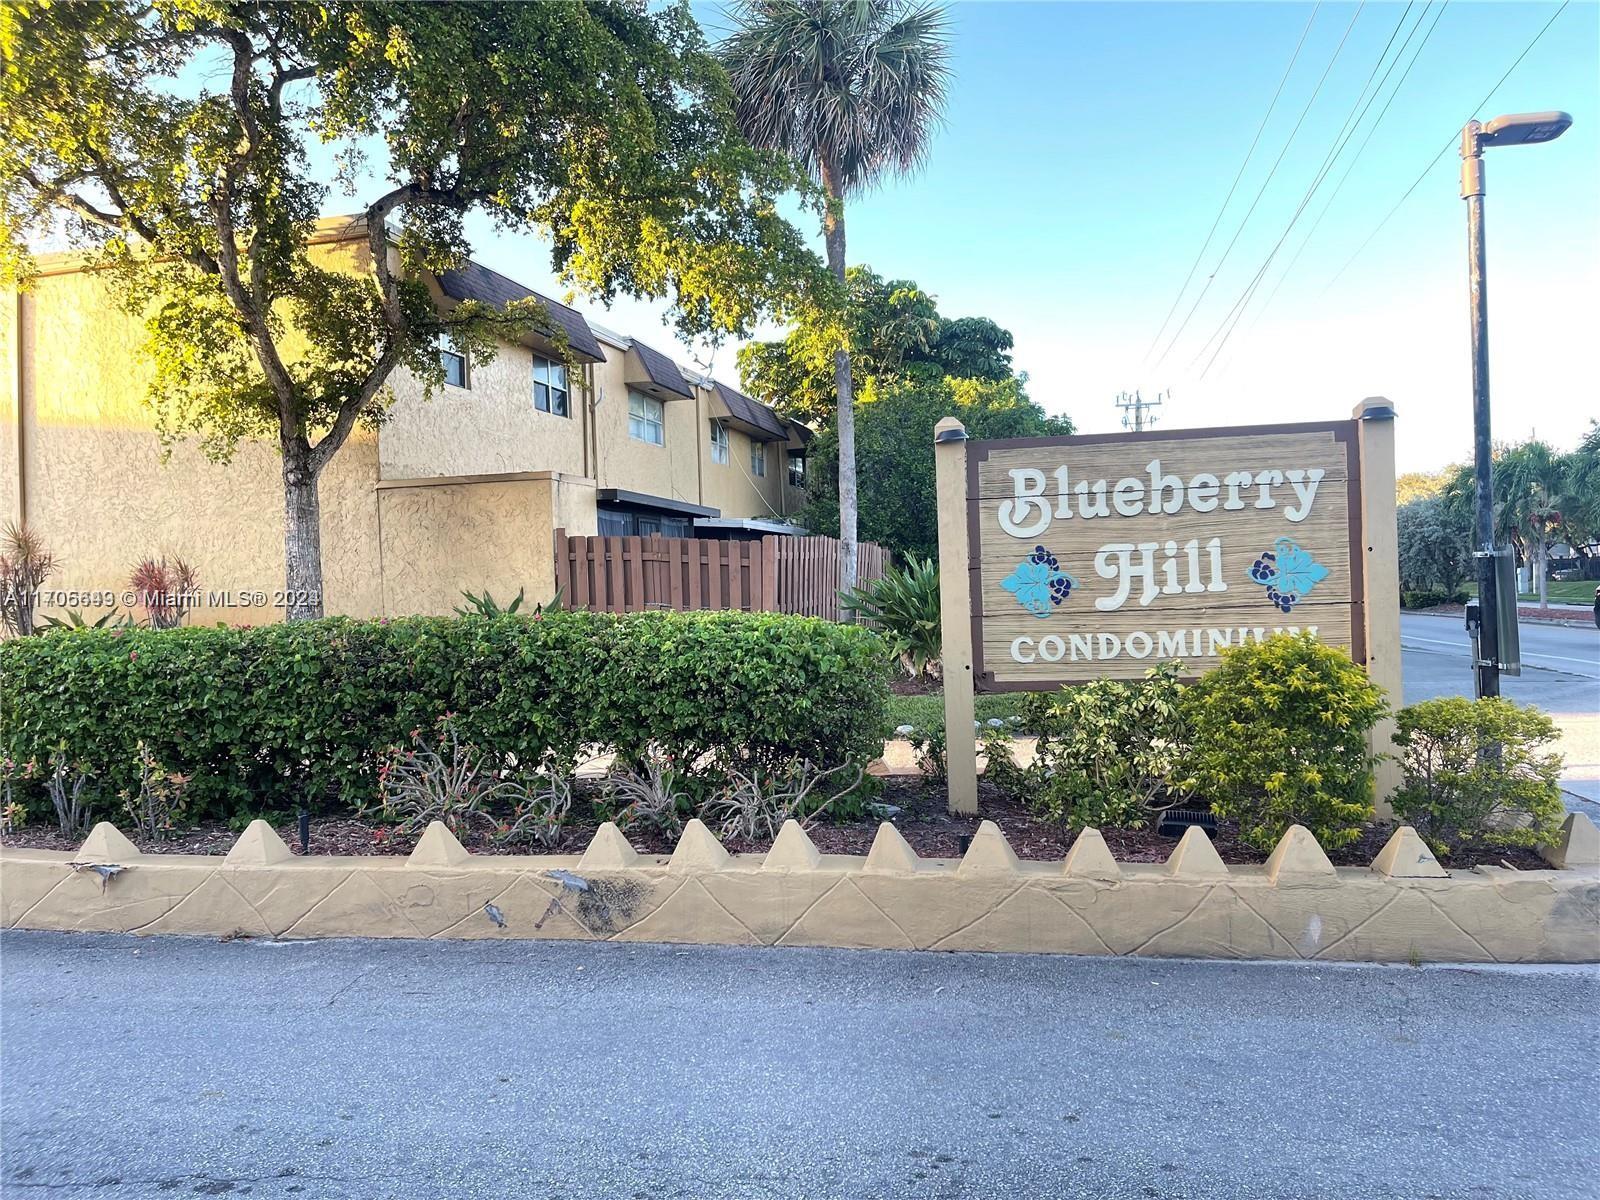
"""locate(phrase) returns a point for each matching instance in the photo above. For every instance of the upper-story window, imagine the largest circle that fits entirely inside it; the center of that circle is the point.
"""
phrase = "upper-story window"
(797, 469)
(758, 458)
(647, 419)
(550, 387)
(721, 451)
(452, 360)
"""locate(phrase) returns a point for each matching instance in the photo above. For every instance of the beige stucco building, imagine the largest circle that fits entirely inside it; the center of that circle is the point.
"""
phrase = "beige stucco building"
(460, 491)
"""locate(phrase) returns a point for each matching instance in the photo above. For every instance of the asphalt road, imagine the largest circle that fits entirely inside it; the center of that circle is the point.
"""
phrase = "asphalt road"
(163, 1067)
(1560, 673)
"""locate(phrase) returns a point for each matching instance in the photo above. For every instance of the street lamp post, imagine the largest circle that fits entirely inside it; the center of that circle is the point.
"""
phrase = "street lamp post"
(1514, 130)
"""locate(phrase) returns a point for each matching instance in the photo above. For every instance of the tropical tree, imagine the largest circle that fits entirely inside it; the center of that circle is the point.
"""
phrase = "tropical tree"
(851, 89)
(896, 415)
(169, 141)
(894, 327)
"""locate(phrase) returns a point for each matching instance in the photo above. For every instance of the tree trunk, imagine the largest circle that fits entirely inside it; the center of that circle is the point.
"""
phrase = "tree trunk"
(1544, 573)
(833, 236)
(302, 536)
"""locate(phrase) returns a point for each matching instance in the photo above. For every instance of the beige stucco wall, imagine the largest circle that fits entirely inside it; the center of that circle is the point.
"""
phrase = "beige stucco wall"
(670, 471)
(442, 538)
(94, 482)
(489, 427)
(10, 362)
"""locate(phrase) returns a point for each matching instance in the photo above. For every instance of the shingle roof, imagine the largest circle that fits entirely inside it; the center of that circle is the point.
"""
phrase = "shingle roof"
(758, 420)
(663, 372)
(474, 281)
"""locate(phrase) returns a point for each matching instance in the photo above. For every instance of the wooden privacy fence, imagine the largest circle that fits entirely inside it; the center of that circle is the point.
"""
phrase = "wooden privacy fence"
(776, 574)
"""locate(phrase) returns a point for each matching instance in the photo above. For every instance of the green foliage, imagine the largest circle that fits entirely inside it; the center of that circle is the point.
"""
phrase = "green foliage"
(904, 605)
(895, 330)
(1435, 540)
(275, 716)
(1280, 739)
(1477, 773)
(1111, 752)
(1428, 598)
(74, 619)
(895, 416)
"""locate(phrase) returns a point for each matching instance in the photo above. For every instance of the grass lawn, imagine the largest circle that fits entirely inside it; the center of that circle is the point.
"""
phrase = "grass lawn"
(1562, 591)
(927, 711)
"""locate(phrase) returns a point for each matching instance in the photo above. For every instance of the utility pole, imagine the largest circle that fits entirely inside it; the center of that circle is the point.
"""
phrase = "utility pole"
(1516, 130)
(1138, 414)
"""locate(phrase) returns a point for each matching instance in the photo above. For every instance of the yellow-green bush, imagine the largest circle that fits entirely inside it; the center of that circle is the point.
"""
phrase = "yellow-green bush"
(1279, 732)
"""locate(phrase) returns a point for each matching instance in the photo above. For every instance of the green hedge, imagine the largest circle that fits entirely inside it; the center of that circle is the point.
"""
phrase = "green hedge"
(270, 717)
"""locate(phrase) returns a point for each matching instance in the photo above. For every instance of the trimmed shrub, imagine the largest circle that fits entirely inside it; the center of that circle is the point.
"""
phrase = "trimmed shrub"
(1459, 792)
(1280, 739)
(1111, 753)
(275, 716)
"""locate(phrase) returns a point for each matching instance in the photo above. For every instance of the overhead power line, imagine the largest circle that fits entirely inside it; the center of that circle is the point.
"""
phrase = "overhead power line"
(1262, 190)
(1345, 178)
(1358, 112)
(1238, 175)
(1453, 140)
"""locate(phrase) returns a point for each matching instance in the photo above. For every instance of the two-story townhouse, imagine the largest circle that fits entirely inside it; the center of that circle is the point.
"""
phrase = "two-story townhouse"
(463, 490)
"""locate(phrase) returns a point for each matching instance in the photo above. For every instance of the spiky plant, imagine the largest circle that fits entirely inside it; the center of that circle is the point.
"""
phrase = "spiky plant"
(853, 90)
(25, 564)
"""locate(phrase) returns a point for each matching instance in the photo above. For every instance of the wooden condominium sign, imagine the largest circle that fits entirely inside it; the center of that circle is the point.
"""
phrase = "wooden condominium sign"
(1077, 558)
(1100, 556)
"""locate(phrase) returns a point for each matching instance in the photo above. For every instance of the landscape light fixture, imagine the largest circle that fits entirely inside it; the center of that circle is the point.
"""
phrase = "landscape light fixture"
(1516, 129)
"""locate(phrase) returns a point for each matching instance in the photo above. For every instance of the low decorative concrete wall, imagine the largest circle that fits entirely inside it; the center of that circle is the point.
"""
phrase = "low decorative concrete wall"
(1406, 907)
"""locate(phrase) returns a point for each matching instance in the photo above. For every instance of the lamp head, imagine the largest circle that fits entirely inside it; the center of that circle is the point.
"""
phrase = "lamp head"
(1525, 129)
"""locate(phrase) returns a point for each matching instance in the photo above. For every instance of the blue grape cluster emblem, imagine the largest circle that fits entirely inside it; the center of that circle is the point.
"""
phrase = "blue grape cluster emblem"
(1039, 583)
(1287, 572)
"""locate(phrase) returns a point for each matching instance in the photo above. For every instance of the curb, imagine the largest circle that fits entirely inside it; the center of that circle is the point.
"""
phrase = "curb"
(1405, 908)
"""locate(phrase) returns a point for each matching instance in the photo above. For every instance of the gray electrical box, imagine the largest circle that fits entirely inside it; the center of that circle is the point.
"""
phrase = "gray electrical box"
(1505, 591)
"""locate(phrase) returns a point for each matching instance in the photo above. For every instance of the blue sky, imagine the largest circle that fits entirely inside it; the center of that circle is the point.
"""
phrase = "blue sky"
(1088, 148)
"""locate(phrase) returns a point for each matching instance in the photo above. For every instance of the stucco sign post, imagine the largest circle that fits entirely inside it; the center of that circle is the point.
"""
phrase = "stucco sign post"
(1077, 558)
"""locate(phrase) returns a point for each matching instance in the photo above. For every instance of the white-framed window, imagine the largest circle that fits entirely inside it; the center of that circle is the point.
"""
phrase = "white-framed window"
(550, 392)
(758, 458)
(647, 419)
(721, 449)
(452, 360)
(797, 469)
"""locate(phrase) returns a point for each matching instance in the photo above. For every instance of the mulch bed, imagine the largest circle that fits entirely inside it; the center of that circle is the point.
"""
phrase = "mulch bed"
(923, 820)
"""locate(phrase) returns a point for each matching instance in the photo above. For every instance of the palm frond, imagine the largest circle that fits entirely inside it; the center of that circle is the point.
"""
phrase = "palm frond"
(851, 89)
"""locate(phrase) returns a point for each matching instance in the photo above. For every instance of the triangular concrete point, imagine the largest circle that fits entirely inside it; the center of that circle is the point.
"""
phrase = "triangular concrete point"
(258, 846)
(1577, 846)
(891, 854)
(608, 850)
(438, 847)
(1196, 857)
(106, 844)
(698, 850)
(1406, 856)
(989, 853)
(792, 850)
(1090, 857)
(1298, 856)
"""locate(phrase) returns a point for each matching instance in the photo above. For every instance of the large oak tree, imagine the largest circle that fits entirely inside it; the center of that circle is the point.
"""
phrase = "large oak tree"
(169, 140)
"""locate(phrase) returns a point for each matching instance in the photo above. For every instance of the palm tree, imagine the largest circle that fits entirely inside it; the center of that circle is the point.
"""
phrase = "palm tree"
(851, 89)
(1530, 480)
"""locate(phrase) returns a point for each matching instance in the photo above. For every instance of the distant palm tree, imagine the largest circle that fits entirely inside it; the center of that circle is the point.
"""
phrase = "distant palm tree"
(1529, 481)
(852, 89)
